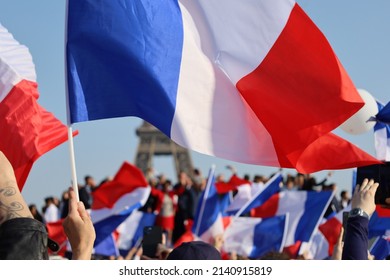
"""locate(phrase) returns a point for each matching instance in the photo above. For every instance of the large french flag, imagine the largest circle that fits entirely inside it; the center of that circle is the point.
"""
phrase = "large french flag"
(27, 129)
(131, 230)
(305, 208)
(227, 74)
(115, 200)
(253, 237)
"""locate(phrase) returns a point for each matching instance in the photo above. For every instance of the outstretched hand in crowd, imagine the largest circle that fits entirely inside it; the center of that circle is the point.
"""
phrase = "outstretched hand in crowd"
(79, 228)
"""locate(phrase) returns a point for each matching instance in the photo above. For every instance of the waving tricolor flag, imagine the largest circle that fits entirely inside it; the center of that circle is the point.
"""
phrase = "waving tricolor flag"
(240, 205)
(227, 74)
(381, 247)
(253, 237)
(27, 129)
(115, 200)
(208, 222)
(305, 208)
(131, 230)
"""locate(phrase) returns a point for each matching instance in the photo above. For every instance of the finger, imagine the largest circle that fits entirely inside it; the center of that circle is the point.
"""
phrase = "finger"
(388, 200)
(363, 185)
(72, 201)
(82, 212)
(374, 187)
(357, 188)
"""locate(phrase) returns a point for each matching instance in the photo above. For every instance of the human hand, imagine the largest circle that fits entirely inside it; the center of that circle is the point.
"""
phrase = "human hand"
(364, 196)
(218, 242)
(338, 247)
(79, 229)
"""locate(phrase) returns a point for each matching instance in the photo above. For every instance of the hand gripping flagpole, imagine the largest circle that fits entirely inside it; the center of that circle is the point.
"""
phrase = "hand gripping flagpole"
(70, 130)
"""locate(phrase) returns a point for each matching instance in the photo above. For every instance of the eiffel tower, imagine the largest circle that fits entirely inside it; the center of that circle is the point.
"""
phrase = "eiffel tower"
(152, 142)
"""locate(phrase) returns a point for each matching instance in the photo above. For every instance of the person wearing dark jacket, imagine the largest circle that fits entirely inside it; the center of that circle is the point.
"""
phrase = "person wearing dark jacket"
(356, 235)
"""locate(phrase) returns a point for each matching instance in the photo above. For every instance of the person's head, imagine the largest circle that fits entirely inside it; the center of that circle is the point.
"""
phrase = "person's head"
(49, 200)
(167, 186)
(290, 183)
(344, 195)
(33, 209)
(89, 181)
(258, 179)
(299, 179)
(195, 250)
(65, 196)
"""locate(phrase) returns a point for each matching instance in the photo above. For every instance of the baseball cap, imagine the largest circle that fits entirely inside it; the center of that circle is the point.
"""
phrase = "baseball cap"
(195, 250)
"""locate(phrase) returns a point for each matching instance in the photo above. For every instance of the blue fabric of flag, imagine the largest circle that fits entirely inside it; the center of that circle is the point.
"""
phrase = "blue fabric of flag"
(107, 247)
(106, 226)
(211, 210)
(315, 207)
(378, 225)
(147, 219)
(130, 48)
(381, 248)
(379, 124)
(268, 236)
(384, 114)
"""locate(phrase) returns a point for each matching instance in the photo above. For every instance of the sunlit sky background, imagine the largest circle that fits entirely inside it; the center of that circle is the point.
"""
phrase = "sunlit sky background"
(358, 30)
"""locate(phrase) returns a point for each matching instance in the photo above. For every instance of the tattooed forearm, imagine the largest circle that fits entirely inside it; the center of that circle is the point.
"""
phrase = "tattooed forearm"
(11, 209)
(8, 191)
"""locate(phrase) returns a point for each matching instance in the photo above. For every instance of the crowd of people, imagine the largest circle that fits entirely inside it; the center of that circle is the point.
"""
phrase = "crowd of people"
(174, 205)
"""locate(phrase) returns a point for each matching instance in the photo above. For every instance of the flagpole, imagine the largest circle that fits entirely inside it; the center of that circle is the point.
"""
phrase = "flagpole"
(206, 193)
(70, 130)
(73, 162)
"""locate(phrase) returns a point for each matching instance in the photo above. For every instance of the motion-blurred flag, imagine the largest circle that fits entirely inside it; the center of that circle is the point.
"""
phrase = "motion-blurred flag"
(55, 231)
(208, 221)
(27, 129)
(305, 208)
(253, 237)
(379, 222)
(325, 238)
(240, 206)
(381, 247)
(107, 247)
(115, 200)
(232, 185)
(131, 230)
(173, 64)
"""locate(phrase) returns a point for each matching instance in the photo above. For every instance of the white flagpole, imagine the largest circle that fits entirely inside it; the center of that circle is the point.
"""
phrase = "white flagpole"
(73, 162)
(206, 194)
(70, 130)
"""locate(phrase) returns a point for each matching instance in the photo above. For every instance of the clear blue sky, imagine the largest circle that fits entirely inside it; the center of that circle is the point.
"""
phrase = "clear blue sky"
(358, 30)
